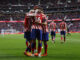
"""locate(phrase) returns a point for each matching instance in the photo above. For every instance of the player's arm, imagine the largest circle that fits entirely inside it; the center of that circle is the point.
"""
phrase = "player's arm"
(66, 26)
(25, 22)
(25, 25)
(44, 20)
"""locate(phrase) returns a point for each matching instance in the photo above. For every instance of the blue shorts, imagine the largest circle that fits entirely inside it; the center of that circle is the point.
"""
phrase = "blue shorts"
(45, 36)
(53, 33)
(39, 34)
(63, 32)
(36, 33)
(33, 34)
(27, 35)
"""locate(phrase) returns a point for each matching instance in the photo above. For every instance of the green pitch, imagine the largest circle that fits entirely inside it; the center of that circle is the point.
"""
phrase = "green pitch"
(12, 48)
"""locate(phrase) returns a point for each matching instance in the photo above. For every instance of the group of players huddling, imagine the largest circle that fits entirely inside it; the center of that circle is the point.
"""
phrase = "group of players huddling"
(36, 27)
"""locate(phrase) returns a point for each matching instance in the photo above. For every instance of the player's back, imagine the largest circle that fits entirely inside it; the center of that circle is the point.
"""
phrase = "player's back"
(53, 26)
(44, 20)
(39, 21)
(63, 26)
(28, 22)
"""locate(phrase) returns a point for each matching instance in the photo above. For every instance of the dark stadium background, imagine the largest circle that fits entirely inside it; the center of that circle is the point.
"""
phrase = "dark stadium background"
(14, 10)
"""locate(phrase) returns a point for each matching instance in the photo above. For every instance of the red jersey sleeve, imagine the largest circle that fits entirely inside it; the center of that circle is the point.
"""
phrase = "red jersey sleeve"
(25, 22)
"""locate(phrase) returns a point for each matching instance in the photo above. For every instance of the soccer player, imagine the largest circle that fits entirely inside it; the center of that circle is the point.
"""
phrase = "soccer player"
(53, 31)
(45, 35)
(37, 32)
(27, 33)
(63, 31)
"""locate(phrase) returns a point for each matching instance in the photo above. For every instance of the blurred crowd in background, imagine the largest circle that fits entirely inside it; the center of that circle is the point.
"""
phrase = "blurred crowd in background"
(14, 10)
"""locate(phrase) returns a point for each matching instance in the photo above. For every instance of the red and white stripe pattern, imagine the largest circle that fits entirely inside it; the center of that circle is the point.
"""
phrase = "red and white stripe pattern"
(63, 26)
(27, 23)
(52, 26)
(39, 20)
(44, 20)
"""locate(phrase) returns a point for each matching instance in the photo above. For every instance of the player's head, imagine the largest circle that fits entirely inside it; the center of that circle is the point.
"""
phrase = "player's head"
(39, 11)
(31, 11)
(36, 7)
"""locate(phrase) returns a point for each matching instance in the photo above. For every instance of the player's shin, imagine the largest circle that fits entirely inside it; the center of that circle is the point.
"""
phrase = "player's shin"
(45, 47)
(62, 39)
(39, 46)
(35, 45)
(32, 47)
(26, 43)
(52, 37)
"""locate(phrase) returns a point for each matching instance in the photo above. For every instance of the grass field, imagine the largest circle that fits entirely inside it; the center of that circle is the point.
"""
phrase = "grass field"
(13, 46)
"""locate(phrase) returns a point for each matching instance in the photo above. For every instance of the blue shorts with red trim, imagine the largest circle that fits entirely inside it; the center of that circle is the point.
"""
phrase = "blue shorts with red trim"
(33, 34)
(45, 36)
(63, 32)
(53, 33)
(27, 35)
(36, 34)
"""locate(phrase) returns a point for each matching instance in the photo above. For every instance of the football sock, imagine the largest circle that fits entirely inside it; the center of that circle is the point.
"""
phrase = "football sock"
(61, 38)
(39, 47)
(45, 47)
(32, 46)
(29, 48)
(52, 37)
(35, 45)
(26, 43)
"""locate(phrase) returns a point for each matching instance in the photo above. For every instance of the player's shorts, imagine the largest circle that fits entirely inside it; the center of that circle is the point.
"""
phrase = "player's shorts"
(63, 32)
(36, 34)
(33, 34)
(27, 35)
(39, 34)
(45, 36)
(53, 33)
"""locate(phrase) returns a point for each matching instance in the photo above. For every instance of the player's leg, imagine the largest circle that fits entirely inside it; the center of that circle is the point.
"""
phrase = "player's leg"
(61, 36)
(25, 38)
(28, 49)
(28, 53)
(32, 46)
(39, 37)
(35, 50)
(54, 34)
(45, 48)
(51, 35)
(39, 47)
(33, 40)
(45, 38)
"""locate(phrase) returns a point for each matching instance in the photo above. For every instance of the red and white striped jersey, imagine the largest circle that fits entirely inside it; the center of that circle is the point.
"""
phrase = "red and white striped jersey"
(44, 21)
(28, 22)
(63, 26)
(52, 26)
(38, 19)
